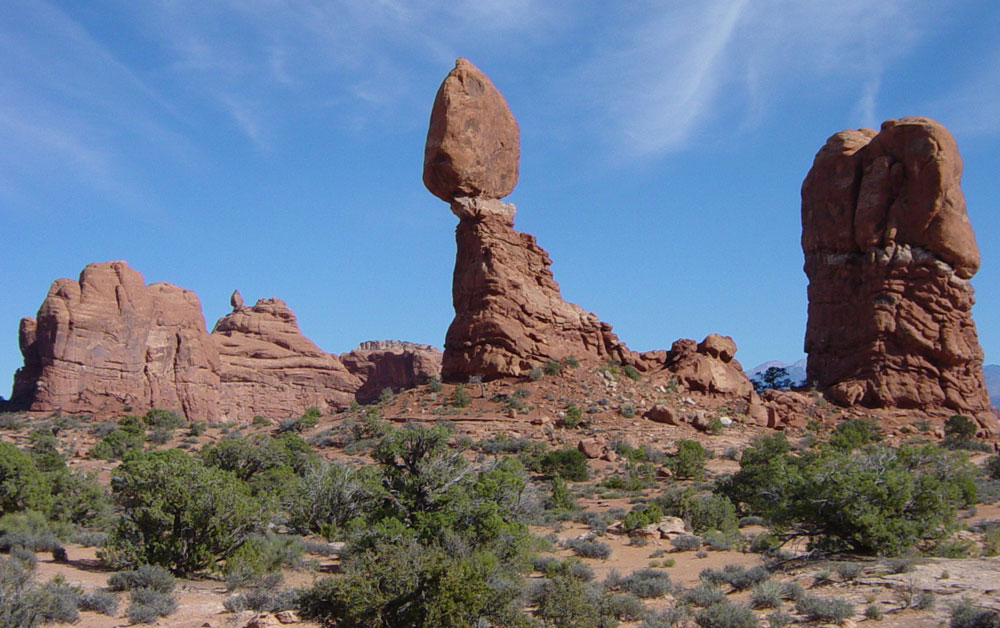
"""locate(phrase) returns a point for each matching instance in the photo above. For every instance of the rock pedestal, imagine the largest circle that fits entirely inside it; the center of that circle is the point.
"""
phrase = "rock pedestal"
(889, 252)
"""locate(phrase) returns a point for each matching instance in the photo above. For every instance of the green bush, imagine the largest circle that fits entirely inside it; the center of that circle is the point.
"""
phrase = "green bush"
(561, 498)
(855, 434)
(565, 602)
(116, 443)
(460, 396)
(552, 367)
(689, 461)
(630, 372)
(572, 417)
(767, 594)
(408, 584)
(22, 485)
(641, 516)
(879, 500)
(993, 467)
(178, 513)
(568, 463)
(685, 542)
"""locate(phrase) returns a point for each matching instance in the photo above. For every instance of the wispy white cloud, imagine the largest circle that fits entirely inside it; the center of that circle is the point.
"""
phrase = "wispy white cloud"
(664, 72)
(70, 109)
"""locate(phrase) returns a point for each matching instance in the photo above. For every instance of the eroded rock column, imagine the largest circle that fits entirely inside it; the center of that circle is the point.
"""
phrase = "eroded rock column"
(889, 252)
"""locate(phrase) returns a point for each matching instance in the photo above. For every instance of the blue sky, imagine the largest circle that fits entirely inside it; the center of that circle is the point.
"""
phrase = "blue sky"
(275, 146)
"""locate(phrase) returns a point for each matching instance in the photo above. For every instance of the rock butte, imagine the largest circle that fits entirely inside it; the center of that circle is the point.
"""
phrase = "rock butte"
(109, 342)
(509, 314)
(889, 252)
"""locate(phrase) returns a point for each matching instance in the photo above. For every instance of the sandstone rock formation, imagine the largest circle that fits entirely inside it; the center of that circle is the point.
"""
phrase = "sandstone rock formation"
(269, 368)
(108, 344)
(509, 314)
(889, 253)
(392, 364)
(110, 341)
(473, 144)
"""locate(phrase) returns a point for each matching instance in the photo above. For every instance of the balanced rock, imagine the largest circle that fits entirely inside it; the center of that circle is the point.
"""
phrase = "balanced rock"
(270, 367)
(236, 300)
(391, 364)
(509, 314)
(889, 252)
(109, 342)
(473, 143)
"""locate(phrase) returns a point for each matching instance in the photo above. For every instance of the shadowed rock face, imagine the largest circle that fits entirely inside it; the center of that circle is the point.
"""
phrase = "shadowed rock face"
(109, 342)
(889, 252)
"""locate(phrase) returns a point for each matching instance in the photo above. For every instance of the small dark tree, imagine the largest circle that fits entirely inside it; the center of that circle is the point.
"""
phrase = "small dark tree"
(774, 378)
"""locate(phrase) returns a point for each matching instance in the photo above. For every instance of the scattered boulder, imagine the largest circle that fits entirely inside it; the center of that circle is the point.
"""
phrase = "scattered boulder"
(473, 143)
(889, 252)
(591, 447)
(663, 413)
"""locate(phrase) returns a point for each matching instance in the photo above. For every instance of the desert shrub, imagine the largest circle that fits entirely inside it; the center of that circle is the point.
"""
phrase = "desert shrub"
(572, 416)
(767, 594)
(561, 498)
(261, 599)
(630, 372)
(739, 578)
(115, 444)
(263, 554)
(689, 461)
(79, 498)
(704, 595)
(854, 434)
(565, 602)
(502, 444)
(165, 419)
(826, 609)
(568, 463)
(331, 494)
(924, 601)
(993, 466)
(572, 566)
(143, 577)
(405, 583)
(552, 367)
(56, 601)
(148, 605)
(460, 396)
(667, 618)
(718, 541)
(965, 615)
(627, 410)
(589, 549)
(646, 583)
(103, 602)
(710, 512)
(878, 500)
(779, 619)
(726, 615)
(261, 461)
(22, 485)
(635, 478)
(178, 513)
(900, 564)
(308, 420)
(685, 542)
(622, 607)
(792, 591)
(159, 436)
(849, 571)
(641, 516)
(873, 612)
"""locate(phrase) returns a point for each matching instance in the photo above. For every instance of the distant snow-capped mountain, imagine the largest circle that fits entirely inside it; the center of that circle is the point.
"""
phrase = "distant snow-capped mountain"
(992, 372)
(796, 370)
